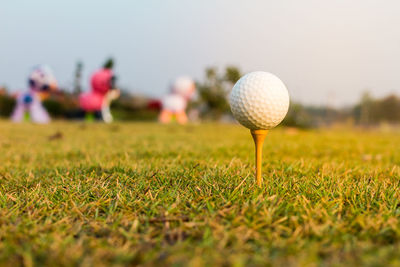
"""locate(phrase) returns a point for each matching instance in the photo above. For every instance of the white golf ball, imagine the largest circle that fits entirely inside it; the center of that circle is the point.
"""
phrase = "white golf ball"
(259, 100)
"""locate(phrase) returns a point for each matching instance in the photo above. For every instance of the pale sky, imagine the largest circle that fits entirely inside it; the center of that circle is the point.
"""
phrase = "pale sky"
(326, 52)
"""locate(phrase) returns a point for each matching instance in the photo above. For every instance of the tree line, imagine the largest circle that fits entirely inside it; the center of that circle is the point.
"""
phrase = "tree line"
(211, 103)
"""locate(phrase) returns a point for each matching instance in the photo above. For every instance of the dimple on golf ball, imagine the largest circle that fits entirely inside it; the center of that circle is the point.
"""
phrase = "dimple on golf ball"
(259, 100)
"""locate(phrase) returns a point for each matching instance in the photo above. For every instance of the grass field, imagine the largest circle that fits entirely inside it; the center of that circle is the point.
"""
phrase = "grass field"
(126, 194)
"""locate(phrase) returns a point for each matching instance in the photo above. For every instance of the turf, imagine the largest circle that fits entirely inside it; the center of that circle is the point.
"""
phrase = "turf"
(126, 194)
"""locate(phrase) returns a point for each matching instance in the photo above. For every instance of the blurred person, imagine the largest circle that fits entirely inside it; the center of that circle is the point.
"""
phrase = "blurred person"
(29, 105)
(174, 104)
(96, 103)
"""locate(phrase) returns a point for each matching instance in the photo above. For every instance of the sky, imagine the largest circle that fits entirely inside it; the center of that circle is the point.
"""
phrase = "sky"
(326, 52)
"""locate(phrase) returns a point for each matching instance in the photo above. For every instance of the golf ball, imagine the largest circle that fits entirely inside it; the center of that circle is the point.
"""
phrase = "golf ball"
(259, 100)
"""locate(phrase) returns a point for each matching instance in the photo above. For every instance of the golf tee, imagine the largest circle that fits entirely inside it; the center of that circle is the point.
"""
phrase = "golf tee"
(259, 137)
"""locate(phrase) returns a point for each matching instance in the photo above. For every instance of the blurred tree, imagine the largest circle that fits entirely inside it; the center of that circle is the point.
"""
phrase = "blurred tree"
(388, 109)
(3, 90)
(298, 116)
(78, 77)
(109, 64)
(7, 103)
(372, 111)
(366, 108)
(214, 90)
(232, 74)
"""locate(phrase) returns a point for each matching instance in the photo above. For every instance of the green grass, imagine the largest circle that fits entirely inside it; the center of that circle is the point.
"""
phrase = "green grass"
(149, 194)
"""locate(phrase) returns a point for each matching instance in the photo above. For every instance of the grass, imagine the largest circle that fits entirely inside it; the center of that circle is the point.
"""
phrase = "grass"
(127, 194)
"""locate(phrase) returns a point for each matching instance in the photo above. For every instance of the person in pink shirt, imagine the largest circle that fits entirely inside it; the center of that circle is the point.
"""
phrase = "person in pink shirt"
(96, 103)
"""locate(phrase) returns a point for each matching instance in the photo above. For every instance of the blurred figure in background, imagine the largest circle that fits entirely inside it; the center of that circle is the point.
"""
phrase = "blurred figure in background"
(174, 104)
(29, 106)
(96, 103)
